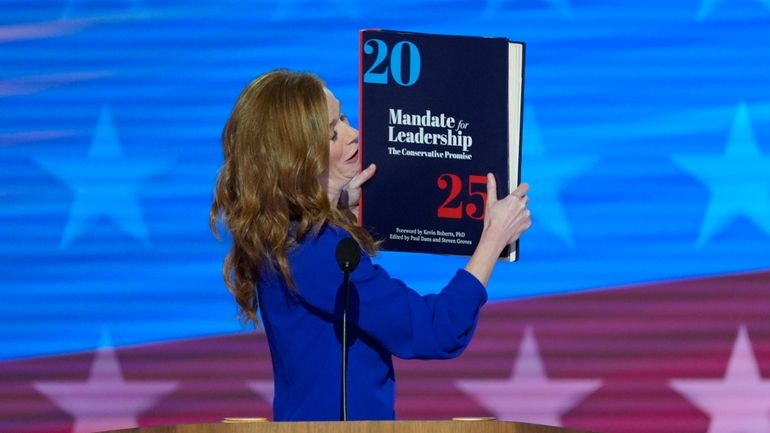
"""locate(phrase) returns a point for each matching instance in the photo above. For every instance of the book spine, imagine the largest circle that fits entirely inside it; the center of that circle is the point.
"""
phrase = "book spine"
(515, 251)
(361, 120)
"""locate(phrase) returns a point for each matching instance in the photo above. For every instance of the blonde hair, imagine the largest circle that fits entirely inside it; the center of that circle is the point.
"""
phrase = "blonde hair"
(276, 146)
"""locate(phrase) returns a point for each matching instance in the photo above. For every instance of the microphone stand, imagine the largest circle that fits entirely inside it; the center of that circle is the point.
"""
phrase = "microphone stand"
(348, 257)
(346, 294)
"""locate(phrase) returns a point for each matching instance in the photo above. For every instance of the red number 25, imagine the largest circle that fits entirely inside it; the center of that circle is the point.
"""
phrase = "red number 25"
(475, 208)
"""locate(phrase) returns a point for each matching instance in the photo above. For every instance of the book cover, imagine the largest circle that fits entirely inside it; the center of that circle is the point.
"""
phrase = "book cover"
(437, 113)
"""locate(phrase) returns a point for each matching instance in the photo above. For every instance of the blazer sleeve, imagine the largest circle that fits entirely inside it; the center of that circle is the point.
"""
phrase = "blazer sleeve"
(405, 323)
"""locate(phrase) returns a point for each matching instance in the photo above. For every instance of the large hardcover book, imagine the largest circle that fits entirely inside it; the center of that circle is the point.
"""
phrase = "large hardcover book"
(438, 112)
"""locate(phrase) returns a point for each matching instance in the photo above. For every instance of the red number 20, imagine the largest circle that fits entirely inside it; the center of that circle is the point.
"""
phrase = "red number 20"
(474, 209)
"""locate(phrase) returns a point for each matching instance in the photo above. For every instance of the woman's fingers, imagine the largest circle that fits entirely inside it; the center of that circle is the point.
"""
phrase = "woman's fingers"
(353, 188)
(362, 177)
(520, 225)
(491, 190)
(521, 190)
(509, 217)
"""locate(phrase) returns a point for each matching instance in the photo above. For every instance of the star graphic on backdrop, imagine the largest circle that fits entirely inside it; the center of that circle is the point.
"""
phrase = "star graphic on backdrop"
(495, 7)
(739, 180)
(549, 175)
(528, 395)
(79, 7)
(707, 6)
(263, 388)
(105, 183)
(105, 401)
(290, 8)
(740, 401)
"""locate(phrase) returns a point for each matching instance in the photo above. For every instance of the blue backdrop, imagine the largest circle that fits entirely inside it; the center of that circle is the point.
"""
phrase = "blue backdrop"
(647, 145)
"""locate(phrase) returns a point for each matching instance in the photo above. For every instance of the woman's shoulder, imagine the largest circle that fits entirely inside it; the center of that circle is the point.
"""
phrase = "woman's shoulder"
(326, 237)
(316, 253)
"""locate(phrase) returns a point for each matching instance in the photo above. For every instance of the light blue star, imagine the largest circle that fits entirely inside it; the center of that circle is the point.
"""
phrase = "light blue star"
(739, 180)
(105, 183)
(495, 7)
(76, 8)
(548, 176)
(707, 6)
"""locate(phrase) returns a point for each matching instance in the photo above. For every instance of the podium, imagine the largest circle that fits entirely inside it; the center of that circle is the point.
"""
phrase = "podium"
(484, 426)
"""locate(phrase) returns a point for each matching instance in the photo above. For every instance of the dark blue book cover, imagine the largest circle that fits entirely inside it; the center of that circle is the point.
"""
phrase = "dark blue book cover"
(438, 112)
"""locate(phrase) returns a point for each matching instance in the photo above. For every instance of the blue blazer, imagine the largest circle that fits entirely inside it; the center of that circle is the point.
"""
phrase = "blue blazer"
(385, 318)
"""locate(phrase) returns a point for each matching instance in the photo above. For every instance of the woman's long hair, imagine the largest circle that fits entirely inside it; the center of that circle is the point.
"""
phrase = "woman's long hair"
(276, 147)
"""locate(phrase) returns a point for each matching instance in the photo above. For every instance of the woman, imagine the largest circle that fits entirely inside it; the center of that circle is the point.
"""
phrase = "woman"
(287, 192)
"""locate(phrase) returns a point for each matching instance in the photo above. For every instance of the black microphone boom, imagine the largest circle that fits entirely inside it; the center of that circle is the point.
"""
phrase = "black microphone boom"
(348, 256)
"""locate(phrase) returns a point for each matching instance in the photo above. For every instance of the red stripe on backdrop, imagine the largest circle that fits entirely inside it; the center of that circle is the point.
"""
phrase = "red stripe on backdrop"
(635, 340)
(211, 378)
(603, 361)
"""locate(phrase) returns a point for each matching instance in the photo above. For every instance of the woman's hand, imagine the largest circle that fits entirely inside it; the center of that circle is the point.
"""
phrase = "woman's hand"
(351, 193)
(504, 222)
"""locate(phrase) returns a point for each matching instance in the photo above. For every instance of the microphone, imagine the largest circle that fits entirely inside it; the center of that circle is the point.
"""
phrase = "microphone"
(348, 256)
